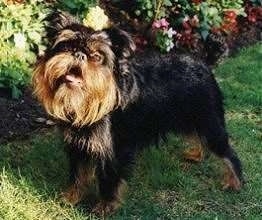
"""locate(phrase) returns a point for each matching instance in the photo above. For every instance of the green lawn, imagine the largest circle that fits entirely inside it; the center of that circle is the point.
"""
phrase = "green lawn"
(163, 186)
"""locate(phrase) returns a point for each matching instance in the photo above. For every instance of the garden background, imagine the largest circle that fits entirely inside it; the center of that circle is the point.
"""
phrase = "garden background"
(225, 34)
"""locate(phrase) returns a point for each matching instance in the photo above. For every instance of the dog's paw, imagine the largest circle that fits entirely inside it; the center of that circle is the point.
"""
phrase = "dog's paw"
(231, 182)
(72, 195)
(195, 154)
(105, 208)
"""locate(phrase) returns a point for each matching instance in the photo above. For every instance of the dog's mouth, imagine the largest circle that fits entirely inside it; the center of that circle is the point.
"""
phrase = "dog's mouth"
(72, 78)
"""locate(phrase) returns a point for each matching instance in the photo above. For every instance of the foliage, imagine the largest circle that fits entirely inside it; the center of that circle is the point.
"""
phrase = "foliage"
(21, 31)
(77, 7)
(194, 20)
(209, 17)
(256, 2)
(21, 26)
(156, 9)
(14, 71)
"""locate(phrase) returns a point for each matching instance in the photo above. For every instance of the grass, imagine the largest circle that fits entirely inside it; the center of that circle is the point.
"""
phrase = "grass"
(163, 186)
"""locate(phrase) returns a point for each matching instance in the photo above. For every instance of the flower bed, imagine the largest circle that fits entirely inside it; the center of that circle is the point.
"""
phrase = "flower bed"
(191, 22)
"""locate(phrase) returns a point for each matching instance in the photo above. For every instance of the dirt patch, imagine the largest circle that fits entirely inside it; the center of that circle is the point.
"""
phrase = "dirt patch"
(19, 118)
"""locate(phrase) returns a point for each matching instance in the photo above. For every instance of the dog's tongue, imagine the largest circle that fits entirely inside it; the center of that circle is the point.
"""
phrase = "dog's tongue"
(72, 79)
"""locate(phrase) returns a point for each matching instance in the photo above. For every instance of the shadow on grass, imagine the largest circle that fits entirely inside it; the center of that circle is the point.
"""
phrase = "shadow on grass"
(163, 184)
(41, 161)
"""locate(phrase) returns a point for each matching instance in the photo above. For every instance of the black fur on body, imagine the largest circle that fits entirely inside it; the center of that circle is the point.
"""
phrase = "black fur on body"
(158, 94)
(165, 94)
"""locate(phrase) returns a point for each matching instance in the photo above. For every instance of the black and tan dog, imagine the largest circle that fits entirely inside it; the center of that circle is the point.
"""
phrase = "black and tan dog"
(111, 102)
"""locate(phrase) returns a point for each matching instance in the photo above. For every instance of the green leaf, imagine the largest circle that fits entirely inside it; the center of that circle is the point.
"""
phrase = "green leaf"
(204, 34)
(150, 14)
(167, 3)
(34, 36)
(70, 4)
(2, 85)
(16, 93)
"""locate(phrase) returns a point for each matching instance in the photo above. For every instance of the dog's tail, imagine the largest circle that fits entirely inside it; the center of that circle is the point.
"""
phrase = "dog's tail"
(216, 49)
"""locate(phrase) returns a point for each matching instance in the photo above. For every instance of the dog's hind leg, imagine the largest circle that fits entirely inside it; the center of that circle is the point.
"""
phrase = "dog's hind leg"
(196, 150)
(213, 133)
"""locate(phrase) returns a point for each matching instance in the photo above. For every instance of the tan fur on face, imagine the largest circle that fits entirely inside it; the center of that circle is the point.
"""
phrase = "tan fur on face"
(65, 35)
(81, 105)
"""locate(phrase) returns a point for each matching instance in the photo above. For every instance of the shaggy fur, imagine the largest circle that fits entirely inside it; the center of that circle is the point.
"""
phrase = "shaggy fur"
(111, 102)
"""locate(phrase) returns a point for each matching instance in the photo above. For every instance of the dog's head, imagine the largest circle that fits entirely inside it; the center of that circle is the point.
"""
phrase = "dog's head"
(76, 78)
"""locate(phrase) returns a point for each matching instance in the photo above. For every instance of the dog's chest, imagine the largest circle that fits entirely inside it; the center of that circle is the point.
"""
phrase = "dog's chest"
(95, 142)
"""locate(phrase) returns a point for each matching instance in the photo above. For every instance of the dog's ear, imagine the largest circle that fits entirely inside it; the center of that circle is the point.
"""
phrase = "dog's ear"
(122, 43)
(57, 21)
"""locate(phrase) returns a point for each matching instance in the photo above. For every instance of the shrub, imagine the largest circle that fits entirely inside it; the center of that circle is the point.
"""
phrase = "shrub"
(194, 20)
(21, 31)
(14, 71)
(153, 9)
(77, 7)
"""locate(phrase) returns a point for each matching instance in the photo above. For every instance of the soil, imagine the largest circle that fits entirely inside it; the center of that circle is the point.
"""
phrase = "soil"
(21, 117)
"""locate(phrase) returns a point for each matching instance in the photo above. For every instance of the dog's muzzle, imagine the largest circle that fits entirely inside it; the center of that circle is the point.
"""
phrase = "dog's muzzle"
(80, 56)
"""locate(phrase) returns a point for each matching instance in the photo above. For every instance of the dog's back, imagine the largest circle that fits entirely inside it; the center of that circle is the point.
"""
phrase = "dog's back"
(173, 91)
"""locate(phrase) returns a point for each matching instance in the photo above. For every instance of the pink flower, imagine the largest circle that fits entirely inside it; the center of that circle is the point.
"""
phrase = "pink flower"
(162, 23)
(156, 24)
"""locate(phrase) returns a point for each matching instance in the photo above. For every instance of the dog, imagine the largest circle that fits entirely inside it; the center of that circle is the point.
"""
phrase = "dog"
(111, 101)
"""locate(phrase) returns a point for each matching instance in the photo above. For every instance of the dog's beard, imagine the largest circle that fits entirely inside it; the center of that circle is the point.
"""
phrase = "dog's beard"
(81, 104)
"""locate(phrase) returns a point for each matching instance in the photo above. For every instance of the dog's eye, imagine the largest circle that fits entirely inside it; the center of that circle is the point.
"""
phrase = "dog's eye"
(96, 57)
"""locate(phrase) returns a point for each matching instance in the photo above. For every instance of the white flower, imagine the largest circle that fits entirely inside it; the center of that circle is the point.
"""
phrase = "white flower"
(170, 45)
(170, 32)
(96, 19)
(20, 41)
(186, 18)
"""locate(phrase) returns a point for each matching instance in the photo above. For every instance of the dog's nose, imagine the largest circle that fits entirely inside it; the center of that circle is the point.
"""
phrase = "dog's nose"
(80, 55)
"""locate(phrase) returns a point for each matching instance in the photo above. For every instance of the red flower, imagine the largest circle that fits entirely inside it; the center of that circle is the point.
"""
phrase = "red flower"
(230, 14)
(252, 18)
(230, 22)
(216, 30)
(254, 14)
(197, 1)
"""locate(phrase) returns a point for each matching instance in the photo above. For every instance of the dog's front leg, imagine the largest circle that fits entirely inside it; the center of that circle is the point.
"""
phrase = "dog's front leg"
(82, 172)
(85, 146)
(100, 147)
(111, 187)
